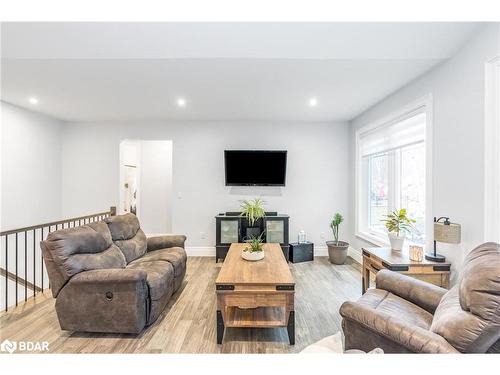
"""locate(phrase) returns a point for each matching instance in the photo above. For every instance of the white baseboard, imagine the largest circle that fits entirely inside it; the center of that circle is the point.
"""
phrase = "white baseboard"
(319, 251)
(355, 254)
(200, 251)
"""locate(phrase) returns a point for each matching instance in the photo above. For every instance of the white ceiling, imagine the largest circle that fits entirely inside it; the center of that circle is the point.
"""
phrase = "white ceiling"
(246, 71)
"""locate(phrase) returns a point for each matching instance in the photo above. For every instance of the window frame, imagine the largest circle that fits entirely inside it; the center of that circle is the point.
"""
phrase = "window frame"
(491, 151)
(424, 105)
(367, 191)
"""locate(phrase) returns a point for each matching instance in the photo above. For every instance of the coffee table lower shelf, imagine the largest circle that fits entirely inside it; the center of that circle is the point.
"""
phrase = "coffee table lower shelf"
(258, 317)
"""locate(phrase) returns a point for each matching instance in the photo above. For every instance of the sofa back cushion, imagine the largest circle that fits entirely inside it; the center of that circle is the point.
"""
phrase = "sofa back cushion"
(127, 234)
(70, 251)
(468, 315)
(480, 282)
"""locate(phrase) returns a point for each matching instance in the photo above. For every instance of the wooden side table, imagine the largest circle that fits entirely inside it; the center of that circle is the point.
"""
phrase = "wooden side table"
(378, 258)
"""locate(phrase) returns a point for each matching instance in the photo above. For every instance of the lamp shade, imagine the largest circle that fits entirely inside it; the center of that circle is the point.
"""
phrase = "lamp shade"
(447, 233)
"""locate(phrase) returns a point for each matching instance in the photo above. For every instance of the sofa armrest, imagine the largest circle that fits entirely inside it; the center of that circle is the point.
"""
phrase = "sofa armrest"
(416, 339)
(105, 300)
(166, 241)
(423, 294)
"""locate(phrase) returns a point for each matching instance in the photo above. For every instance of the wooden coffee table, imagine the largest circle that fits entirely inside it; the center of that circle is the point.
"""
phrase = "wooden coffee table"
(255, 294)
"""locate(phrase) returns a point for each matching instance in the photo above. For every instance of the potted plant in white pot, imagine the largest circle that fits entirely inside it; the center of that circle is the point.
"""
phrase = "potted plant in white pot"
(398, 224)
(253, 211)
(254, 250)
(337, 250)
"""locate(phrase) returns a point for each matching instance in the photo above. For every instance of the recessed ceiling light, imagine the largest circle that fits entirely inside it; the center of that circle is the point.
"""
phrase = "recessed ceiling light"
(313, 102)
(33, 100)
(181, 102)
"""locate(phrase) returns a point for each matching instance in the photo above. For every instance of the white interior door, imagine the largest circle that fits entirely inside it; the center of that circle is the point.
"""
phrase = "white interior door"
(130, 189)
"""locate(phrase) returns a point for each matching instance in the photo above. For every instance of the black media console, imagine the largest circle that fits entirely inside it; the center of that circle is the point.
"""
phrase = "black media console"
(231, 228)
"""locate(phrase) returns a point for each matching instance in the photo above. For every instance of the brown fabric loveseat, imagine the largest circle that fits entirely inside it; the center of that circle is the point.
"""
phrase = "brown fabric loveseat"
(108, 277)
(405, 315)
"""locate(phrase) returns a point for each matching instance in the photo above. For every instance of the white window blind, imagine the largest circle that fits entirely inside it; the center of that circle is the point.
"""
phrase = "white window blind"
(407, 130)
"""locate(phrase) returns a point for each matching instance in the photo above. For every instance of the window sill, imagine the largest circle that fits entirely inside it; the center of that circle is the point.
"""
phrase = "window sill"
(374, 240)
(380, 241)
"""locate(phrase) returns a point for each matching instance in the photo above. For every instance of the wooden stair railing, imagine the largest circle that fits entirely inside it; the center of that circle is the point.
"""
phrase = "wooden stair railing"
(14, 245)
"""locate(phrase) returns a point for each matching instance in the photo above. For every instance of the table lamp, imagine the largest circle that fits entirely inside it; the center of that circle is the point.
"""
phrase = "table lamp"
(446, 232)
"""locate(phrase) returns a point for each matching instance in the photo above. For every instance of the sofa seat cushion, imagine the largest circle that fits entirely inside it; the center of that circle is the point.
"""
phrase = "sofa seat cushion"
(390, 304)
(176, 256)
(160, 277)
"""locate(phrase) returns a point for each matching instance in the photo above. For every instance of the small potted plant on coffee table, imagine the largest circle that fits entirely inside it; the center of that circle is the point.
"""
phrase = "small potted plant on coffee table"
(337, 250)
(254, 249)
(398, 224)
(253, 211)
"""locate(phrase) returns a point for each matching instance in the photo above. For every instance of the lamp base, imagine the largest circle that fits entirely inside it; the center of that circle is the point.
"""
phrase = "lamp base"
(435, 258)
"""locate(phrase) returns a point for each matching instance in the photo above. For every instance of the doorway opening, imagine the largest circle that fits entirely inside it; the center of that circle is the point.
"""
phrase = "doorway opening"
(146, 183)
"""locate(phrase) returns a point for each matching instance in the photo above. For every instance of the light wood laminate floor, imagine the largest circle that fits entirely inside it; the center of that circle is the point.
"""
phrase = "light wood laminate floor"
(188, 323)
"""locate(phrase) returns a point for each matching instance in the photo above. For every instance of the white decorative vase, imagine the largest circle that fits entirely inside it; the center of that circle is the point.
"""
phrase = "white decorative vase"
(252, 256)
(396, 241)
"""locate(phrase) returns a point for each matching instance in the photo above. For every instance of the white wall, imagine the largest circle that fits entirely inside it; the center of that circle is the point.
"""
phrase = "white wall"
(130, 153)
(155, 210)
(318, 172)
(31, 167)
(458, 93)
(30, 150)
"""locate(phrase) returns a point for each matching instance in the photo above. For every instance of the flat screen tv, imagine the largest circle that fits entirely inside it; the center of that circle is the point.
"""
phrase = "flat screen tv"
(255, 168)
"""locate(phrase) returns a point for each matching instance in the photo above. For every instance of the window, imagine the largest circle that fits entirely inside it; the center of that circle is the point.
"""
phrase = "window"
(378, 180)
(412, 187)
(392, 174)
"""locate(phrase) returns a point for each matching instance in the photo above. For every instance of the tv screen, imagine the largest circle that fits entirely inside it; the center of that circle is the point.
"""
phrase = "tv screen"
(255, 168)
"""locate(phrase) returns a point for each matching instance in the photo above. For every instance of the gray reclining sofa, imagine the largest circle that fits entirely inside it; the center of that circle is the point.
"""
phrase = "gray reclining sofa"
(405, 315)
(108, 277)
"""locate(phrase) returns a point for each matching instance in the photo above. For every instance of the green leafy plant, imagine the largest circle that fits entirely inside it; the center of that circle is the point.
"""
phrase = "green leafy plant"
(337, 219)
(398, 221)
(255, 244)
(253, 210)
